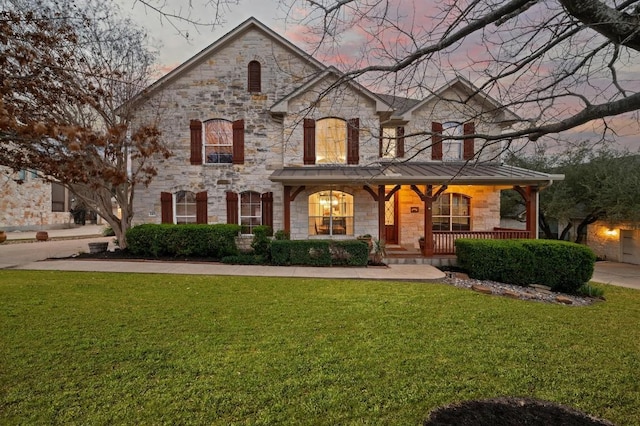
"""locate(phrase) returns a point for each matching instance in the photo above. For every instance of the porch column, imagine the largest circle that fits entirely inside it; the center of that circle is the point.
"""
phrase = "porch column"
(428, 222)
(532, 211)
(287, 209)
(381, 213)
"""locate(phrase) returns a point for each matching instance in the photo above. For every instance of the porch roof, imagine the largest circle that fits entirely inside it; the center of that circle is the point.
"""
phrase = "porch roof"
(410, 173)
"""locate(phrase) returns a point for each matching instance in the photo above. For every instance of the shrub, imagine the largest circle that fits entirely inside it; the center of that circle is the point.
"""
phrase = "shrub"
(319, 252)
(282, 235)
(563, 266)
(261, 242)
(154, 240)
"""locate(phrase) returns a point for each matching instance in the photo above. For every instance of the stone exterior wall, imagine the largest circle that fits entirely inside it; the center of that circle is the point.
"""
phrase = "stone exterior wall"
(605, 239)
(27, 206)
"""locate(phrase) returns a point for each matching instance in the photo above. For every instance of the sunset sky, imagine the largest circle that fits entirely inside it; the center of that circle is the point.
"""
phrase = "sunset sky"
(175, 48)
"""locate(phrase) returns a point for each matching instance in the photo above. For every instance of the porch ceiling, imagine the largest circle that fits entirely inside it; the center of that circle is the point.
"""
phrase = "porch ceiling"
(414, 174)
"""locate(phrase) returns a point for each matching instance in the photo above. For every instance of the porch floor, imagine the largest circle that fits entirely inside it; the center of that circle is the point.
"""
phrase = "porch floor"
(409, 255)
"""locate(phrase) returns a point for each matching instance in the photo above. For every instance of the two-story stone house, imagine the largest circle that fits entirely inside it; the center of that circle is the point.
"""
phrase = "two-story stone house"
(262, 134)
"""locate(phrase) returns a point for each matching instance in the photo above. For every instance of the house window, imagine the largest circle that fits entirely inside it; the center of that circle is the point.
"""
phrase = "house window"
(452, 212)
(184, 207)
(254, 77)
(452, 148)
(331, 141)
(389, 142)
(218, 141)
(330, 213)
(59, 198)
(250, 211)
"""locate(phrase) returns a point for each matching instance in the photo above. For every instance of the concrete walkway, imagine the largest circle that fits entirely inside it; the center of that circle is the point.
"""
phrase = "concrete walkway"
(21, 251)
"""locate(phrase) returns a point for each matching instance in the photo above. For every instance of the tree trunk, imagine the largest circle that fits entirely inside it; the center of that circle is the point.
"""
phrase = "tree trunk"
(565, 231)
(544, 225)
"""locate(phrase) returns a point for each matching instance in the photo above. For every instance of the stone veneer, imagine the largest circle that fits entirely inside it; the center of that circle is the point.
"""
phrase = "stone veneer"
(27, 206)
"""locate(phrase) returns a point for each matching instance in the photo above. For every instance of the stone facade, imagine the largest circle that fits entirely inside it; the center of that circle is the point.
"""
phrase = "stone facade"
(617, 242)
(213, 85)
(27, 206)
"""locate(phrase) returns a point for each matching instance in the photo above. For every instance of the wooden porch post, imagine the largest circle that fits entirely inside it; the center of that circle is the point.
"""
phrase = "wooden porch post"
(287, 209)
(532, 211)
(381, 213)
(428, 222)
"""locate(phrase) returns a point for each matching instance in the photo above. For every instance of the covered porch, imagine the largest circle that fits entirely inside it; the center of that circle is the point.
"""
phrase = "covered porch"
(424, 184)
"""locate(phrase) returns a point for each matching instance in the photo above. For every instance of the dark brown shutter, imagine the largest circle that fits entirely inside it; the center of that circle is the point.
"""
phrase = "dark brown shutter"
(436, 141)
(381, 143)
(196, 141)
(469, 143)
(309, 156)
(254, 77)
(201, 207)
(267, 209)
(232, 207)
(166, 207)
(238, 142)
(400, 141)
(353, 141)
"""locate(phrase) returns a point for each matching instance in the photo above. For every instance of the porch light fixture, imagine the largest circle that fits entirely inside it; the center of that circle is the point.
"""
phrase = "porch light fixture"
(611, 232)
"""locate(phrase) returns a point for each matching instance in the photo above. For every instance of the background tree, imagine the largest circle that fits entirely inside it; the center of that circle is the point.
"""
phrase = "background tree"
(66, 74)
(559, 64)
(599, 185)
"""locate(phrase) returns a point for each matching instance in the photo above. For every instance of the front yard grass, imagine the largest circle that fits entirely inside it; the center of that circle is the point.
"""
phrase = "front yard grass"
(97, 348)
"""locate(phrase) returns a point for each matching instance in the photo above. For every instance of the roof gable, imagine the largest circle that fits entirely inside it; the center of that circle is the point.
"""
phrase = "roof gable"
(466, 87)
(282, 106)
(248, 25)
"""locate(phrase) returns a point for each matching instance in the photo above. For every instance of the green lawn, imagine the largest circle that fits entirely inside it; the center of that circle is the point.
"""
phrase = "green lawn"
(95, 348)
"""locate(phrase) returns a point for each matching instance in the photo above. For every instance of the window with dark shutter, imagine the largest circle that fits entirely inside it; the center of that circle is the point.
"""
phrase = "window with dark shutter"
(469, 142)
(254, 77)
(238, 142)
(201, 207)
(196, 142)
(166, 206)
(436, 141)
(309, 143)
(232, 207)
(353, 141)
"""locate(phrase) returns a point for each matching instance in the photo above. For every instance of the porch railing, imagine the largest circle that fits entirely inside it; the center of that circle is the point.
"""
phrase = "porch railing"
(444, 240)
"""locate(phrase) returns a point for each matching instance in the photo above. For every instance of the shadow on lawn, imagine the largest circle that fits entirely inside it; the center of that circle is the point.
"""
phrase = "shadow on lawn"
(510, 412)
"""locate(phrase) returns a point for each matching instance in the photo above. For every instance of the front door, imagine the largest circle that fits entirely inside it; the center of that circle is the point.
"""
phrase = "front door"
(391, 225)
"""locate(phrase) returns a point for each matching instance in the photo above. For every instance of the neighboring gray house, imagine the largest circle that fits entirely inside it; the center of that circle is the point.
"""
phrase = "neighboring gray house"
(255, 143)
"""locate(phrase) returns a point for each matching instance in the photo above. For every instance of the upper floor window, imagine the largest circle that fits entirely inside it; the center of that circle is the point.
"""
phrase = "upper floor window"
(452, 148)
(218, 141)
(331, 141)
(184, 207)
(254, 77)
(250, 211)
(452, 212)
(331, 213)
(392, 142)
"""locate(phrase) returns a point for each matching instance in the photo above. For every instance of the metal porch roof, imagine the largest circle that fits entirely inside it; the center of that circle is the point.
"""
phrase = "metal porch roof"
(411, 173)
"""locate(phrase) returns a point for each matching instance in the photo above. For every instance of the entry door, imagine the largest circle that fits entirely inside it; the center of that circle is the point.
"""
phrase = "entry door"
(630, 246)
(391, 225)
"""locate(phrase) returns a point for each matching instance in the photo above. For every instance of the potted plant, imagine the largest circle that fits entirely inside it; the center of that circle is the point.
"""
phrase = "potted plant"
(3, 236)
(42, 235)
(379, 251)
(421, 243)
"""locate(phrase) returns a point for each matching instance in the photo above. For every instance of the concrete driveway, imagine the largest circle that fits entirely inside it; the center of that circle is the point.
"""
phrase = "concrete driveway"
(17, 254)
(620, 274)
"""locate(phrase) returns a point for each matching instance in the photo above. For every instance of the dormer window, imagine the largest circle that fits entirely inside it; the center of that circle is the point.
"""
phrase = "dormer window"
(254, 77)
(452, 148)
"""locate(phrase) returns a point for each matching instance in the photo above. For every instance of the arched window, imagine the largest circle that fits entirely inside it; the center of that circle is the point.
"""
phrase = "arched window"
(184, 207)
(331, 141)
(330, 213)
(452, 212)
(218, 141)
(254, 77)
(250, 211)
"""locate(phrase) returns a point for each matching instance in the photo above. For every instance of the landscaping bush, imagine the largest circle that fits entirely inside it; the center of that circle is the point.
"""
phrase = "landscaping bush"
(319, 252)
(261, 242)
(154, 240)
(563, 266)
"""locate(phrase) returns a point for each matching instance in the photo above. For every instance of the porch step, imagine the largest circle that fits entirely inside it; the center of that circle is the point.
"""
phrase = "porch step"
(420, 260)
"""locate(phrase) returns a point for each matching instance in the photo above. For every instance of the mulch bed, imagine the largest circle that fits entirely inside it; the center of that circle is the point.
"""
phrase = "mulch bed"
(510, 412)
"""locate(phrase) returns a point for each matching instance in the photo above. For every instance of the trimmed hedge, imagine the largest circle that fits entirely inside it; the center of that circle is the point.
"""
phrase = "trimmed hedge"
(319, 252)
(153, 240)
(561, 265)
